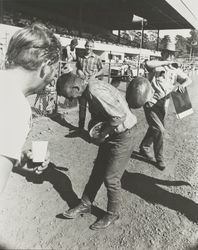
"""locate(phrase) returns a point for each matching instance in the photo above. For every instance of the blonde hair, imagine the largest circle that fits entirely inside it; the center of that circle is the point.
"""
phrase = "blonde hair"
(31, 46)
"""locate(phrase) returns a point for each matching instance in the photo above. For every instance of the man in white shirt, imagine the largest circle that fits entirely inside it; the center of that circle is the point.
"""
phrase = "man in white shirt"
(31, 62)
(69, 56)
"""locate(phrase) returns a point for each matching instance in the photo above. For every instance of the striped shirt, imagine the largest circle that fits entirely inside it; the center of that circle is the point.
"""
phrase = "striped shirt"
(106, 103)
(90, 64)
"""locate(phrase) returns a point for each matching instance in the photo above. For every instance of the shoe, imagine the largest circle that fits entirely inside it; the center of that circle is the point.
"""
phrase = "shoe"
(160, 164)
(106, 221)
(77, 211)
(146, 154)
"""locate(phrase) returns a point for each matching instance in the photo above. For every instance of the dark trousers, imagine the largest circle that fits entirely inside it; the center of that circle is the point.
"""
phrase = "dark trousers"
(155, 134)
(112, 159)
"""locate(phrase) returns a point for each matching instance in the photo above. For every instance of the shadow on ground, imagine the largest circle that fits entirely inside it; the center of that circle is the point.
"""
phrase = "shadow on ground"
(73, 130)
(60, 120)
(60, 182)
(147, 188)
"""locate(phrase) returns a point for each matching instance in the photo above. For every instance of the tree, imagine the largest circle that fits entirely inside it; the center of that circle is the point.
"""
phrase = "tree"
(193, 42)
(182, 45)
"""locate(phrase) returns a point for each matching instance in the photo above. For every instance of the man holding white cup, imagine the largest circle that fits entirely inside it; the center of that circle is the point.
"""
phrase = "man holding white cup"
(31, 63)
(35, 160)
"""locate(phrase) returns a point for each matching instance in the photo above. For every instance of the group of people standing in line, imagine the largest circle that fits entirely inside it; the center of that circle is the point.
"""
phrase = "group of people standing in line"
(31, 63)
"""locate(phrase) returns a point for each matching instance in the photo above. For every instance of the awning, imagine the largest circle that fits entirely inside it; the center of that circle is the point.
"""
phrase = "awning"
(109, 14)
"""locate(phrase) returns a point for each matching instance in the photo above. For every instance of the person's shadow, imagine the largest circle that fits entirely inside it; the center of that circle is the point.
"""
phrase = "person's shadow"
(60, 120)
(136, 155)
(61, 184)
(73, 130)
(147, 188)
(60, 181)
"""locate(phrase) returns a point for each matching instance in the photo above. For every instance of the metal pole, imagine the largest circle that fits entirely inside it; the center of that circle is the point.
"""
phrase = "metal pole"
(157, 47)
(141, 43)
(191, 48)
(109, 73)
(1, 11)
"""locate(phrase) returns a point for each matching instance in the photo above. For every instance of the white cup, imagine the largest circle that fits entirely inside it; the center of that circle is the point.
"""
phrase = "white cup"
(39, 150)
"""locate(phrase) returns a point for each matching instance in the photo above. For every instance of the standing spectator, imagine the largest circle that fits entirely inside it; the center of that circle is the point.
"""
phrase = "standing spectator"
(164, 76)
(1, 57)
(89, 65)
(31, 62)
(124, 67)
(69, 55)
(129, 75)
(141, 70)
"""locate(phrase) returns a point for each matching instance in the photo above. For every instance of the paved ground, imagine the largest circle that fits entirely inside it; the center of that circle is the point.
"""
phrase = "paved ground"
(159, 209)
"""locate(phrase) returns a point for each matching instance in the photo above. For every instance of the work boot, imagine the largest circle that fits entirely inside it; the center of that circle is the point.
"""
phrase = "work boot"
(77, 211)
(106, 221)
(160, 164)
(146, 154)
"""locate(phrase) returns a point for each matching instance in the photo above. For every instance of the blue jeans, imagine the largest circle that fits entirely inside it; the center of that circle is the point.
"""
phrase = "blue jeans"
(155, 134)
(112, 159)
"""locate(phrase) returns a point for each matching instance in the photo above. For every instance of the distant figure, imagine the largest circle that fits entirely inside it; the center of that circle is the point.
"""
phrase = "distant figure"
(89, 65)
(124, 67)
(129, 75)
(1, 57)
(31, 63)
(141, 71)
(69, 55)
(89, 68)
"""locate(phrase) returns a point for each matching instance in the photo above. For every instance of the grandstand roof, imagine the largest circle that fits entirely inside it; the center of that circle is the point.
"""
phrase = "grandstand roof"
(110, 14)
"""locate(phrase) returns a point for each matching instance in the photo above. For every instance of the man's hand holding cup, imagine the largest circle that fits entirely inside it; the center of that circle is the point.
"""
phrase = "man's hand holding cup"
(35, 160)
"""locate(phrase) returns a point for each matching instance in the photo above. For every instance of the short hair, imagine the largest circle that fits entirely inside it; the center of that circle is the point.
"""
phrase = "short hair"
(31, 46)
(138, 92)
(74, 42)
(66, 80)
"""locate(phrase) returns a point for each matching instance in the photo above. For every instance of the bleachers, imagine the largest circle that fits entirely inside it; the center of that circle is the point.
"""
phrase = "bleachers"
(21, 20)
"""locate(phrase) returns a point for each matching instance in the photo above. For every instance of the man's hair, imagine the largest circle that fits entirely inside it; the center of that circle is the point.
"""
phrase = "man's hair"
(74, 42)
(31, 46)
(66, 80)
(138, 92)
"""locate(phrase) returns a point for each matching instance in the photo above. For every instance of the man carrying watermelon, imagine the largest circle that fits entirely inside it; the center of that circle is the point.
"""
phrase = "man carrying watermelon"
(107, 105)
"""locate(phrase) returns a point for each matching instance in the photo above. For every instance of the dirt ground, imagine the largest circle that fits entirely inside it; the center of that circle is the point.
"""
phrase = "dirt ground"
(159, 209)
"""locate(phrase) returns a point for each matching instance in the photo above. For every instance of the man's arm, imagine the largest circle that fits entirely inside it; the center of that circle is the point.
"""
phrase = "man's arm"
(6, 165)
(100, 69)
(68, 55)
(184, 81)
(82, 111)
(79, 70)
(154, 64)
(99, 73)
(81, 74)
